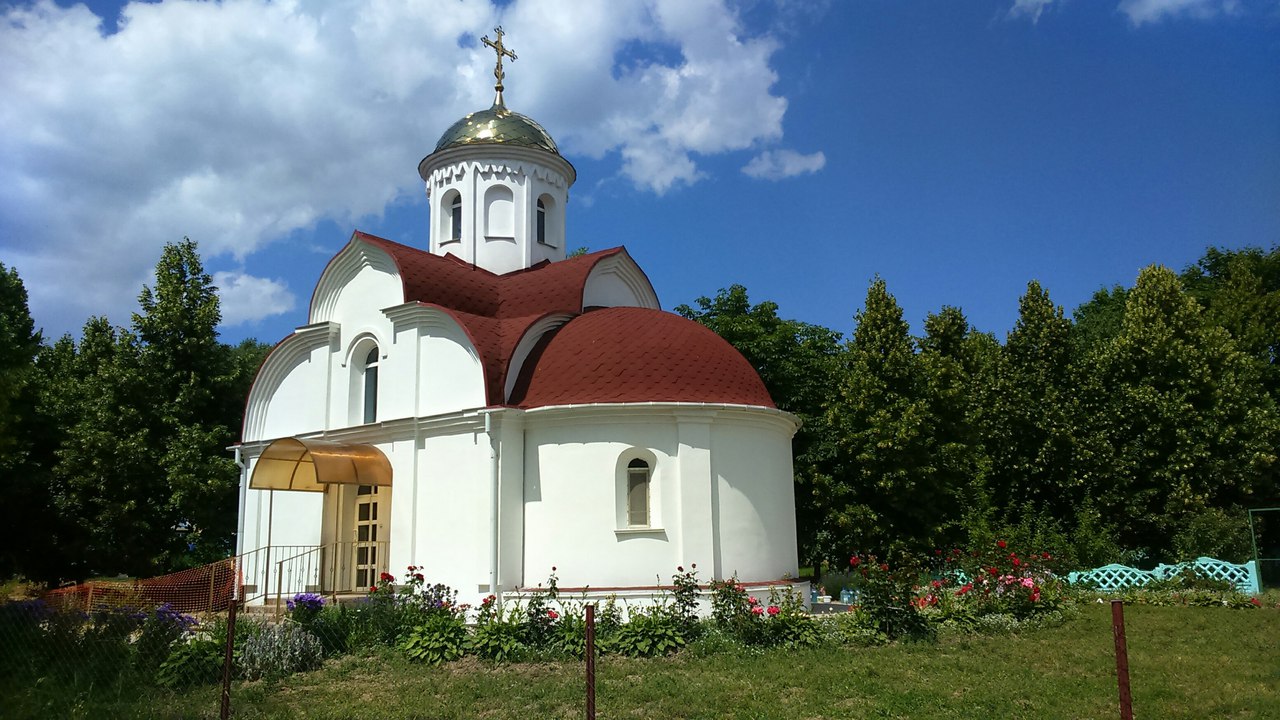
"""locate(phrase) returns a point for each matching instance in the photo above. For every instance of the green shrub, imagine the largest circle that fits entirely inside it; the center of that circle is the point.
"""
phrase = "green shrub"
(887, 596)
(279, 651)
(785, 621)
(197, 662)
(161, 628)
(649, 634)
(441, 638)
(333, 625)
(500, 641)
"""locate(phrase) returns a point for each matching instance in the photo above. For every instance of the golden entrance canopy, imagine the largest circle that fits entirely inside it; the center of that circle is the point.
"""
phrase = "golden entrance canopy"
(311, 465)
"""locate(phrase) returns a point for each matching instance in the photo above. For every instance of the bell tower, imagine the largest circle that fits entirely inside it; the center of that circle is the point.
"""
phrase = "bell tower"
(497, 186)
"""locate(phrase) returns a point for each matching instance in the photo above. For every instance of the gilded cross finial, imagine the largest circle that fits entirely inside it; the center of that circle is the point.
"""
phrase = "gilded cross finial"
(501, 50)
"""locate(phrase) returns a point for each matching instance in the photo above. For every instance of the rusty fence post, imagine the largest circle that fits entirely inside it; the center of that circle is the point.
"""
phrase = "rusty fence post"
(591, 662)
(1122, 659)
(227, 658)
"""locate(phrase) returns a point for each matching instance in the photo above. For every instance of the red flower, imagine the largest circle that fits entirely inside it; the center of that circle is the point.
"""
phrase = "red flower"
(1045, 556)
(1016, 562)
(964, 589)
(757, 610)
(1255, 602)
(386, 577)
(855, 561)
(489, 600)
(938, 551)
(993, 571)
(884, 567)
(412, 568)
(752, 601)
(936, 583)
(418, 577)
(553, 614)
(679, 568)
(373, 589)
(773, 610)
(1002, 544)
(553, 568)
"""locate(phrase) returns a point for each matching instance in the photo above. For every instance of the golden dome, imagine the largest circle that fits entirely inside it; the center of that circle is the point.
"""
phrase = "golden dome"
(497, 125)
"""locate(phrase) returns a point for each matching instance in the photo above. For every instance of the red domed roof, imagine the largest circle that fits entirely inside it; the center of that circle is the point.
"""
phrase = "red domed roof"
(628, 354)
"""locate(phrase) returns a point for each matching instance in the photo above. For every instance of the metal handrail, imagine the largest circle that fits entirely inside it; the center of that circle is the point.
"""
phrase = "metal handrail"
(331, 568)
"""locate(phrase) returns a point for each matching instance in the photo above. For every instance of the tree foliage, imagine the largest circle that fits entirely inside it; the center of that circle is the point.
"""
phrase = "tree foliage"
(128, 433)
(1138, 429)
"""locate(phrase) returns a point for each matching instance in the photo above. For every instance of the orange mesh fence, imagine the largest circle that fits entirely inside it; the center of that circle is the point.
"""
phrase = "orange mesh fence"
(208, 588)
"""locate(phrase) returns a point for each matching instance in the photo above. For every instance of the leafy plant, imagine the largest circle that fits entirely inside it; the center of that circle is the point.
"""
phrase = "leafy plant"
(442, 638)
(193, 663)
(279, 651)
(650, 634)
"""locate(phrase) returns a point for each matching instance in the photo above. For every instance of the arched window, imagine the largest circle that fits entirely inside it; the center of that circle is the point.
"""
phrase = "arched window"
(371, 386)
(638, 493)
(542, 221)
(455, 218)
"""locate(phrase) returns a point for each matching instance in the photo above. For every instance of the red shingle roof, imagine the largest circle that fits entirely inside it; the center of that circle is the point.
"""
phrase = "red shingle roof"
(627, 354)
(606, 355)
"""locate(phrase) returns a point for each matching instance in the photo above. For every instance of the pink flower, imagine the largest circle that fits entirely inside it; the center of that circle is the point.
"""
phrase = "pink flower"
(773, 610)
(752, 601)
(757, 610)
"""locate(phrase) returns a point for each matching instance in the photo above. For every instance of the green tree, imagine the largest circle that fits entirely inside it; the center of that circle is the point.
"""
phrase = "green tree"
(958, 362)
(885, 491)
(1098, 320)
(1240, 291)
(106, 481)
(1031, 423)
(796, 361)
(1189, 422)
(25, 503)
(192, 377)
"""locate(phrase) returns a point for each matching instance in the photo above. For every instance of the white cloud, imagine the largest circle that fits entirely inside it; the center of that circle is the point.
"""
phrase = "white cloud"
(778, 164)
(239, 122)
(247, 299)
(1152, 11)
(1029, 8)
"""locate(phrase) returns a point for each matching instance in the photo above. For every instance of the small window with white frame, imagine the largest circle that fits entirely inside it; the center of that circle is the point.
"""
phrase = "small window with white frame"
(638, 477)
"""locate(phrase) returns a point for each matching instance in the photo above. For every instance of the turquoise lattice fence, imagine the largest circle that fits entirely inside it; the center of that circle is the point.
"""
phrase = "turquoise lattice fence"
(1119, 577)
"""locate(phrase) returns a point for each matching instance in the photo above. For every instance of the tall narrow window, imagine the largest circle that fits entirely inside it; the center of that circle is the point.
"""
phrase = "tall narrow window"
(455, 218)
(638, 493)
(542, 221)
(371, 386)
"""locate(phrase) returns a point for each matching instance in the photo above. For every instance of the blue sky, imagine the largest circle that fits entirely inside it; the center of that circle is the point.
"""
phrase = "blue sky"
(956, 149)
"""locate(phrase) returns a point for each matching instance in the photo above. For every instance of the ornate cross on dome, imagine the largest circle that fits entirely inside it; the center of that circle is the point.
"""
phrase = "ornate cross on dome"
(501, 50)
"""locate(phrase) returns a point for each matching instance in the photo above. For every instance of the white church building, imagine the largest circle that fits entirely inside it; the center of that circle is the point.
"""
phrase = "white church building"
(485, 408)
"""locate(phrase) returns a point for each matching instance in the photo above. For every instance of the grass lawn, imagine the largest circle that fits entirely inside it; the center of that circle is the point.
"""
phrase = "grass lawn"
(1184, 663)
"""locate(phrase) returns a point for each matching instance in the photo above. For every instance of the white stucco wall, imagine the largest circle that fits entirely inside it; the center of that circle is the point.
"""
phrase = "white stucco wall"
(721, 493)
